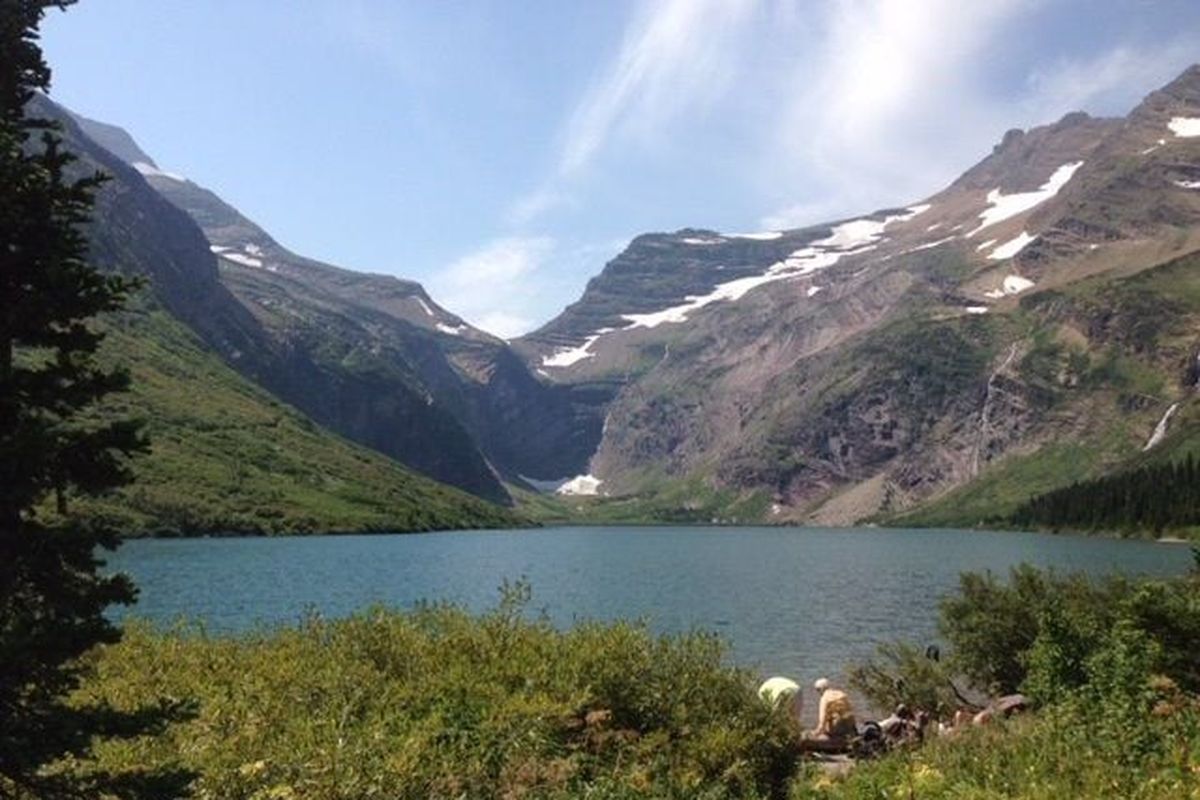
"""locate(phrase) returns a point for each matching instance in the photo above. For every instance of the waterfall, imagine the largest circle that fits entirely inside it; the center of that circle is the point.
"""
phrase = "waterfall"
(1160, 430)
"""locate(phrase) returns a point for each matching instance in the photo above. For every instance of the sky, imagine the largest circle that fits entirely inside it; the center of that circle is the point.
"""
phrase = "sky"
(501, 151)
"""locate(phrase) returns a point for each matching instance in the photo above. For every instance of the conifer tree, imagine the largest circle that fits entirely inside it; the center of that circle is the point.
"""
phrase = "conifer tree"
(53, 448)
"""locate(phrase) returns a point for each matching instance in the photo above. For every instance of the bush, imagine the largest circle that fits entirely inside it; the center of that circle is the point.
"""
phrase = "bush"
(903, 673)
(439, 703)
(1112, 664)
(992, 628)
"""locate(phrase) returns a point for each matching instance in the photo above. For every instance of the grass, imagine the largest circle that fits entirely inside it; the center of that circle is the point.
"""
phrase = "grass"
(227, 457)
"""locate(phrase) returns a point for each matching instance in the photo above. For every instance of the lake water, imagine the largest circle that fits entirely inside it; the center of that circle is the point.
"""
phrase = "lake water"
(800, 602)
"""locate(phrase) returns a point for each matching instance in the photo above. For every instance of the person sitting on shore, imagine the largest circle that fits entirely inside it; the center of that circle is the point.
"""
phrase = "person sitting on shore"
(778, 692)
(835, 715)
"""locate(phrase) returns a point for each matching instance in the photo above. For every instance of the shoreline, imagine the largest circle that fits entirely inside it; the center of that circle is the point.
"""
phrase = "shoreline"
(533, 525)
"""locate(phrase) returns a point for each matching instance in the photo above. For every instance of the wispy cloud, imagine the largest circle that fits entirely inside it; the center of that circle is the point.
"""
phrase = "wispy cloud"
(1116, 77)
(901, 96)
(675, 56)
(888, 105)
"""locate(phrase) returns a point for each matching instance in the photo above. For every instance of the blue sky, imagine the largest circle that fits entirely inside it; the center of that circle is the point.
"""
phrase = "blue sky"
(501, 152)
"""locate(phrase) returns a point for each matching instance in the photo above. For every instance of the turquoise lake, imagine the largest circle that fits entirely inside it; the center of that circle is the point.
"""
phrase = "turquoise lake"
(799, 602)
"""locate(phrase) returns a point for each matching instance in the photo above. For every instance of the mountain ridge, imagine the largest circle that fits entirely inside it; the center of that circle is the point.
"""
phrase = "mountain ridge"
(862, 369)
(389, 332)
(800, 365)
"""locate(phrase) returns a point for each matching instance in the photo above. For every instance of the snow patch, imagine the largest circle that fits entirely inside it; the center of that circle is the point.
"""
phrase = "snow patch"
(252, 249)
(453, 330)
(1004, 206)
(814, 290)
(977, 309)
(1011, 247)
(848, 239)
(1185, 127)
(698, 241)
(1188, 184)
(584, 485)
(244, 260)
(986, 244)
(566, 356)
(150, 170)
(579, 485)
(801, 262)
(424, 306)
(933, 227)
(764, 236)
(1013, 284)
(928, 245)
(216, 248)
(1160, 430)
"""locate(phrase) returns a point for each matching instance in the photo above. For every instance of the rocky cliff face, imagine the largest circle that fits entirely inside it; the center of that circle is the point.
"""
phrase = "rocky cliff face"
(376, 359)
(870, 366)
(136, 229)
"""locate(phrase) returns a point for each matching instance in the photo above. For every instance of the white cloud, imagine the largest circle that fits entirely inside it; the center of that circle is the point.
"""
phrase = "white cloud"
(889, 106)
(900, 96)
(490, 286)
(532, 205)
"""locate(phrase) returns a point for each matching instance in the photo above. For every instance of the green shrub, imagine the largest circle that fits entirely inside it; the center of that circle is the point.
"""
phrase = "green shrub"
(1112, 664)
(903, 673)
(439, 703)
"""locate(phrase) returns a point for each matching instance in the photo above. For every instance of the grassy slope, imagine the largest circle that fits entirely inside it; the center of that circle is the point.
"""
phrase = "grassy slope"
(228, 458)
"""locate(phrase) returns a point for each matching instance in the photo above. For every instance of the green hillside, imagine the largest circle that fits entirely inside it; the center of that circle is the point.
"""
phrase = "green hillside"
(1115, 353)
(228, 458)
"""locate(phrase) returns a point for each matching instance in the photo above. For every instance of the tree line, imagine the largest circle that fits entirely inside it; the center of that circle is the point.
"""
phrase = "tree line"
(1155, 498)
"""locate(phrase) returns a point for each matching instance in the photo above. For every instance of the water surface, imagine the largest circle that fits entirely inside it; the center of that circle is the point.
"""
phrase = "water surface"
(800, 602)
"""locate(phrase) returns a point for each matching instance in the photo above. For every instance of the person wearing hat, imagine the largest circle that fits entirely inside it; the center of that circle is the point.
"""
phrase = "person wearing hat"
(835, 715)
(778, 692)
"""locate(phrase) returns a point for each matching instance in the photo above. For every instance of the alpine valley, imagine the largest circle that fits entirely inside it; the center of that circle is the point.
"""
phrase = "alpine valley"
(1032, 325)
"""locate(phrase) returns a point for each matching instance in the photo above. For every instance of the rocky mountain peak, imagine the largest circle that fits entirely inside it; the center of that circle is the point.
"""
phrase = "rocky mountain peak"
(1180, 97)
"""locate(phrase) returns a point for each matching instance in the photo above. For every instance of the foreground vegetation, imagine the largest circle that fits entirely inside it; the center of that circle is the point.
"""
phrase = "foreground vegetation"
(1110, 666)
(226, 457)
(439, 703)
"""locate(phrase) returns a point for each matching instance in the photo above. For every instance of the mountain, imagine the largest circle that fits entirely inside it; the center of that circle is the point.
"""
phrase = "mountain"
(1027, 326)
(227, 456)
(374, 358)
